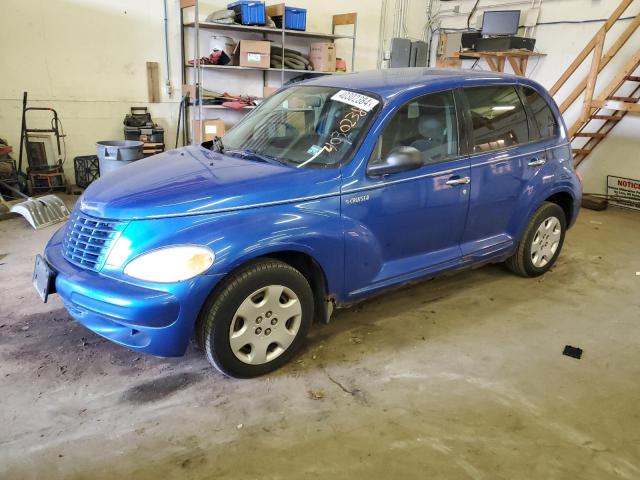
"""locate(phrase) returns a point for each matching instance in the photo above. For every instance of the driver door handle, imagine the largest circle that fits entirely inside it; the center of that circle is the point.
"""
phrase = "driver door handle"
(536, 162)
(458, 181)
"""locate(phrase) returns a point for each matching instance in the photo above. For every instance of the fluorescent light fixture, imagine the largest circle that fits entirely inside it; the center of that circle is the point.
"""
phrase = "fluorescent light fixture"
(503, 108)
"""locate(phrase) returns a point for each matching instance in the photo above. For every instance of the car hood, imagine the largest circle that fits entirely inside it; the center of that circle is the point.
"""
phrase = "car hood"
(193, 180)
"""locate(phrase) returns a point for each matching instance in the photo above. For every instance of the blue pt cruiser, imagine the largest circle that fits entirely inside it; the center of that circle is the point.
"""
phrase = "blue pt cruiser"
(330, 191)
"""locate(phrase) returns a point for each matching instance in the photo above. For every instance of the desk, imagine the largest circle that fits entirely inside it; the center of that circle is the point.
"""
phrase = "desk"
(518, 59)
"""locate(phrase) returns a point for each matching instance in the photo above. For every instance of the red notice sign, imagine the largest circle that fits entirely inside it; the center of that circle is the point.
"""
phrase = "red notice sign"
(623, 192)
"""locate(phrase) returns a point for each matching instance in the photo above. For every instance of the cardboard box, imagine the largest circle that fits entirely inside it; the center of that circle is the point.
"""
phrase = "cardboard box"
(275, 10)
(253, 53)
(323, 56)
(268, 91)
(210, 128)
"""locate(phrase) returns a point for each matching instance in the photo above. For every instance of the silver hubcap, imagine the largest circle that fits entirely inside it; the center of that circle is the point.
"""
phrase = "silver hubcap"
(545, 242)
(265, 324)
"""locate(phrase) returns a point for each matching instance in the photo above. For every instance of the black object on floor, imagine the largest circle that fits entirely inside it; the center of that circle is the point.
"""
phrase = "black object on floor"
(594, 202)
(574, 352)
(87, 169)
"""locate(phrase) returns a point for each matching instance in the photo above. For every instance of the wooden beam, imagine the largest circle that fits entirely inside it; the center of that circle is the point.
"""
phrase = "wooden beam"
(616, 105)
(491, 61)
(575, 93)
(593, 75)
(516, 65)
(589, 47)
(153, 82)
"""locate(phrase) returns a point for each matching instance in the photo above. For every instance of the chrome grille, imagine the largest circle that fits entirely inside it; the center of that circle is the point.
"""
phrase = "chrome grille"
(87, 240)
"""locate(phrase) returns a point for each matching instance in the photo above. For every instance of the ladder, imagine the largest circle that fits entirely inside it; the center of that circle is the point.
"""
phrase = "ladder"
(622, 95)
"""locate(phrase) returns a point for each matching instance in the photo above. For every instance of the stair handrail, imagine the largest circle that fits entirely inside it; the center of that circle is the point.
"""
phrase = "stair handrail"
(590, 47)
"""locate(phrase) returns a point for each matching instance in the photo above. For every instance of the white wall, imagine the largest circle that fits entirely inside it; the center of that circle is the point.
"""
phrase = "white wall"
(87, 59)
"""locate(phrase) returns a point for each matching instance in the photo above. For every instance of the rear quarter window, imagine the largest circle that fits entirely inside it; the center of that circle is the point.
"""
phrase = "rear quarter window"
(498, 117)
(542, 113)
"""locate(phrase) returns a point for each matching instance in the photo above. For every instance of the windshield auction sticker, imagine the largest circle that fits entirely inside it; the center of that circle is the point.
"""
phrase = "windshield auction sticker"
(355, 99)
(623, 192)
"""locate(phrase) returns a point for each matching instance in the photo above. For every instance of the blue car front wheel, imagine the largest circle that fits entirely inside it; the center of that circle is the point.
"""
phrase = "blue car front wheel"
(257, 319)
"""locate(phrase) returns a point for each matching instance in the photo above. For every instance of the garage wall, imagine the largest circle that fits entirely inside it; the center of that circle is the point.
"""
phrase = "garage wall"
(86, 59)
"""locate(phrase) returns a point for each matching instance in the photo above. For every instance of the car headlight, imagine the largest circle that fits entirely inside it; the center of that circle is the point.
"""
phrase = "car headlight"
(170, 264)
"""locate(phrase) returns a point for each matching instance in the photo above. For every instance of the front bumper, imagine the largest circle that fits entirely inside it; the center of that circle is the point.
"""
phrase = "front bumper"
(157, 320)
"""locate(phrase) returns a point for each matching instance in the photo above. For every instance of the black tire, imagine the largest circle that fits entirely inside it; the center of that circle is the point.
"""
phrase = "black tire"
(214, 323)
(521, 263)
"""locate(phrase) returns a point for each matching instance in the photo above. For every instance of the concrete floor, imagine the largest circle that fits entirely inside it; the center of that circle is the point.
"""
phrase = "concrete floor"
(456, 378)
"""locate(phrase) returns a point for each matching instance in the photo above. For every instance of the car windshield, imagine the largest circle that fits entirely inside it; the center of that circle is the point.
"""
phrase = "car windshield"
(304, 126)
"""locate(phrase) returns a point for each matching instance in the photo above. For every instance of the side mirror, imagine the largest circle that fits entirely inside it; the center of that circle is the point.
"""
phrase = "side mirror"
(400, 159)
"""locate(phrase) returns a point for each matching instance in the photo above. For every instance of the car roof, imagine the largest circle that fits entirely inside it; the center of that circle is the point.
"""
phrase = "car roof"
(389, 83)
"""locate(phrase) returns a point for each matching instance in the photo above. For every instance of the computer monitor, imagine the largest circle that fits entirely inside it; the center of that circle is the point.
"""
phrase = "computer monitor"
(500, 22)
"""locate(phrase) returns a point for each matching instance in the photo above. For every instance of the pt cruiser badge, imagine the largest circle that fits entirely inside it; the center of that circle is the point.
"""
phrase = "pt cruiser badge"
(360, 199)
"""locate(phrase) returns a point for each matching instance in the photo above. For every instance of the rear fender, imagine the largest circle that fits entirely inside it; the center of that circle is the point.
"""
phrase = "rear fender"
(531, 199)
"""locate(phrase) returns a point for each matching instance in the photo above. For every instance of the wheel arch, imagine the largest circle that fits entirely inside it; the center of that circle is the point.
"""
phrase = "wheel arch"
(564, 200)
(561, 196)
(302, 261)
(315, 275)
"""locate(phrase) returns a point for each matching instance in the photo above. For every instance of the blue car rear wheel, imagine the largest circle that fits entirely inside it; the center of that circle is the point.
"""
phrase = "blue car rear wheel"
(541, 243)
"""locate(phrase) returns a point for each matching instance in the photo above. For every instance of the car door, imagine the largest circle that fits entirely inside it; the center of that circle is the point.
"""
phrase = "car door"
(543, 121)
(406, 224)
(503, 158)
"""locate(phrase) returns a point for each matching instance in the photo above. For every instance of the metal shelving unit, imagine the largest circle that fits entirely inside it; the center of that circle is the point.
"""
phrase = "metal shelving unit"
(237, 67)
(258, 29)
(197, 78)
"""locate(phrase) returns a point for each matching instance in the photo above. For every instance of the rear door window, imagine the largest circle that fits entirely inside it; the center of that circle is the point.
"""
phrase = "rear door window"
(544, 117)
(498, 117)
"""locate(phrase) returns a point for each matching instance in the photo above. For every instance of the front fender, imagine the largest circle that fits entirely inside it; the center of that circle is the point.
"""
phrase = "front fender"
(236, 237)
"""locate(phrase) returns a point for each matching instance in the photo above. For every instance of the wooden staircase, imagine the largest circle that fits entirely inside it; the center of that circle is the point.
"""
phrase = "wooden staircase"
(622, 95)
(605, 113)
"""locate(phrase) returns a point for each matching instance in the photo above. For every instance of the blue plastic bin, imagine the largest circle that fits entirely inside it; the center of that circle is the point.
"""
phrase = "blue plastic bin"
(295, 18)
(249, 12)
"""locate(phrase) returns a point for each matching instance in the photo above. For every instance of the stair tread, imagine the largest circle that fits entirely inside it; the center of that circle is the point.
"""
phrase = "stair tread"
(613, 118)
(633, 78)
(591, 134)
(623, 99)
(581, 150)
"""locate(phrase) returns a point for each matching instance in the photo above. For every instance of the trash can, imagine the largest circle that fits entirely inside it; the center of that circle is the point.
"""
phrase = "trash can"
(114, 154)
